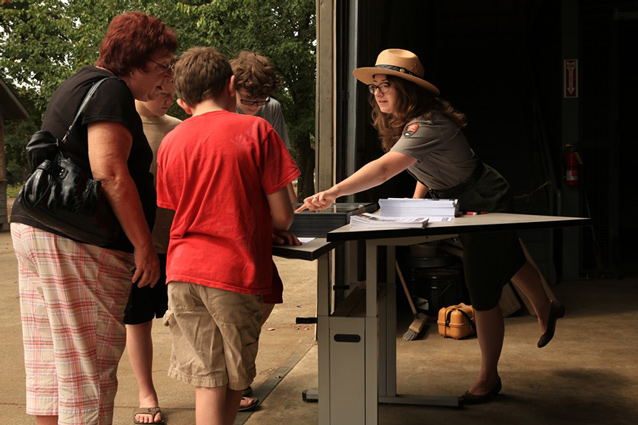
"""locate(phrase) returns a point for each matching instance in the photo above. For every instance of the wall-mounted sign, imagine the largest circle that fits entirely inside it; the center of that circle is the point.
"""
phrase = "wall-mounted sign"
(570, 78)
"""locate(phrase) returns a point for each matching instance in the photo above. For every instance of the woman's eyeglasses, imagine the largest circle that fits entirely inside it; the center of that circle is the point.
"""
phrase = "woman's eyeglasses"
(254, 102)
(165, 68)
(383, 87)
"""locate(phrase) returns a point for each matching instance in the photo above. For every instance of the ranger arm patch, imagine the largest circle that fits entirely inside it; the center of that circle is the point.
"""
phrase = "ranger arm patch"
(410, 130)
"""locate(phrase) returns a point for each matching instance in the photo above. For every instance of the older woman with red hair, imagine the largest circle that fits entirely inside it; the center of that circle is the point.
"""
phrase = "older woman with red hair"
(73, 294)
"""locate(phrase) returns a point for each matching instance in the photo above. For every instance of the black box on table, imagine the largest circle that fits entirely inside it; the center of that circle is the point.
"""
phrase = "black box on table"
(317, 224)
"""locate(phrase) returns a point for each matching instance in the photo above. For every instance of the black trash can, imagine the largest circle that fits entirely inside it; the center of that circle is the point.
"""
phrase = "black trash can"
(440, 286)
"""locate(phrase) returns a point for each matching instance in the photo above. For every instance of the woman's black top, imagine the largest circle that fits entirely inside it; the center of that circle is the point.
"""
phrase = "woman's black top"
(113, 101)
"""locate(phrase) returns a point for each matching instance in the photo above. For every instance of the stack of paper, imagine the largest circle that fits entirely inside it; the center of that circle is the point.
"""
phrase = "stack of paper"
(408, 207)
(375, 221)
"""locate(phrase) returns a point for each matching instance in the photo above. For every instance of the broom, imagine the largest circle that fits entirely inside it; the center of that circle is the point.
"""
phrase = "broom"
(419, 318)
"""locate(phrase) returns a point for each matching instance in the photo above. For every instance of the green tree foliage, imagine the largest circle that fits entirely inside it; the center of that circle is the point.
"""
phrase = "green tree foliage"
(43, 42)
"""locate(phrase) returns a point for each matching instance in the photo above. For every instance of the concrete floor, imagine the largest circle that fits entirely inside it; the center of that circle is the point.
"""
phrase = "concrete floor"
(587, 375)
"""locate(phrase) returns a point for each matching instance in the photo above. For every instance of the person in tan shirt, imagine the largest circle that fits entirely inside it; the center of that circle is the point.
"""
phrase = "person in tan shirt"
(146, 304)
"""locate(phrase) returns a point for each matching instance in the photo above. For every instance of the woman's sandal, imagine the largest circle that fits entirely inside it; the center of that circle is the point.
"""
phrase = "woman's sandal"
(253, 402)
(152, 411)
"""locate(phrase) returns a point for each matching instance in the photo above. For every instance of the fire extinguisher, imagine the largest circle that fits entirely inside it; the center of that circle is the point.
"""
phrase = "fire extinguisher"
(572, 161)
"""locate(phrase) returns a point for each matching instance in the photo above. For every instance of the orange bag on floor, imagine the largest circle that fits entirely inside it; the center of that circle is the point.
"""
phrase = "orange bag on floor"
(456, 321)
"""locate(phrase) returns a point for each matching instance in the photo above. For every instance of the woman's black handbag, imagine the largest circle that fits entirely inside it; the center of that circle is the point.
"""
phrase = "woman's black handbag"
(62, 196)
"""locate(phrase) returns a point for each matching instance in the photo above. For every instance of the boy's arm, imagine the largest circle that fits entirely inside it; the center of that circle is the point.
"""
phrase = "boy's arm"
(280, 209)
(292, 194)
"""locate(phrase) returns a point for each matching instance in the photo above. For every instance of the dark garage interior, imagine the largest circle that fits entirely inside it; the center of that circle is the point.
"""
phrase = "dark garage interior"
(504, 64)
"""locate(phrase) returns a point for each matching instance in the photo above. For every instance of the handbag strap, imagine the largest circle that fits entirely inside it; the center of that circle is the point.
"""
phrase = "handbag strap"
(88, 96)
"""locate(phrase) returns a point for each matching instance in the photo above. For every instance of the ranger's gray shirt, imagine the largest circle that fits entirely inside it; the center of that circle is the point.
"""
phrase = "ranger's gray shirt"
(443, 156)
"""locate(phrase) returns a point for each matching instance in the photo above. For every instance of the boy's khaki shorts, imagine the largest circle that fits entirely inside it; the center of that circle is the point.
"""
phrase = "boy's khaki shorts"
(215, 334)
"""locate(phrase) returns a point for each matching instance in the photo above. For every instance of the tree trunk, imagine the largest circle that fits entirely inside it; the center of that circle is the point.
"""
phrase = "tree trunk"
(306, 163)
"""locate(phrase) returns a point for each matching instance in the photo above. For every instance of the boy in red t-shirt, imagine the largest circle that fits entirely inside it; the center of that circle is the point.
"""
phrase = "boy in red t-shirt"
(225, 176)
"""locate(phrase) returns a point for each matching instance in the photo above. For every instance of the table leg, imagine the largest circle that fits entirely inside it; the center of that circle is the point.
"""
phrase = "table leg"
(372, 347)
(387, 342)
(387, 338)
(323, 336)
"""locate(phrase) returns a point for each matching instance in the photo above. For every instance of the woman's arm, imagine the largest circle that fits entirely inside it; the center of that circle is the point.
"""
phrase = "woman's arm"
(420, 191)
(109, 147)
(370, 175)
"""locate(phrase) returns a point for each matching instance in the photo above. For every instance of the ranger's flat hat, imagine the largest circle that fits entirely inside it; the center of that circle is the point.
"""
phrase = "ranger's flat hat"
(398, 63)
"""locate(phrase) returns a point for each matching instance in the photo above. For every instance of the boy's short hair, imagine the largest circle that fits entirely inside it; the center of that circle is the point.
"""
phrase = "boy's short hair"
(255, 74)
(201, 73)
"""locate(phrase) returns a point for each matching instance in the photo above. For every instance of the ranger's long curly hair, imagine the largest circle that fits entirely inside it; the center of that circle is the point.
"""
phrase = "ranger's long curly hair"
(412, 101)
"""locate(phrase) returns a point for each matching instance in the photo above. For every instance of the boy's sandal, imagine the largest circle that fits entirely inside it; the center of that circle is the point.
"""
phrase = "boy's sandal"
(251, 404)
(152, 411)
(247, 391)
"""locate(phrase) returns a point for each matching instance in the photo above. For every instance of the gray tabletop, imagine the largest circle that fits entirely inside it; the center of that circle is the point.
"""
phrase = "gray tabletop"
(462, 224)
